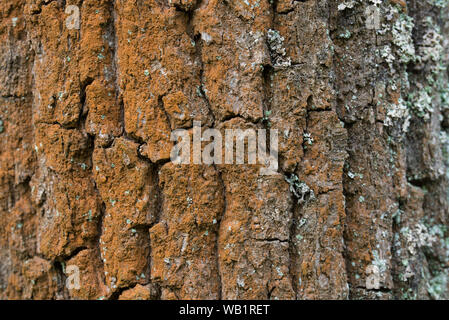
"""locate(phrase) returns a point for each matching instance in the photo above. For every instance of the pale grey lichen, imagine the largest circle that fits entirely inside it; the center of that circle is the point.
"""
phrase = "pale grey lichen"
(379, 262)
(308, 138)
(417, 237)
(300, 189)
(402, 38)
(348, 4)
(421, 103)
(398, 112)
(386, 53)
(401, 27)
(345, 35)
(278, 52)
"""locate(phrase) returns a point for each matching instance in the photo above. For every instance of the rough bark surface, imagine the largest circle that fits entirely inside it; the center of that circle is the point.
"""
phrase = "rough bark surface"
(358, 208)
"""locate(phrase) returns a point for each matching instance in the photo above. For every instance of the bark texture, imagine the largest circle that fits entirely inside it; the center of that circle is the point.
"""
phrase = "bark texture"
(358, 209)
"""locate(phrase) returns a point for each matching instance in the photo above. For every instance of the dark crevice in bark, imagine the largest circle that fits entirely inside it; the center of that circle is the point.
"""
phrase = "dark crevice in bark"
(83, 112)
(155, 170)
(59, 267)
(74, 253)
(115, 66)
(292, 248)
(217, 242)
(267, 74)
(118, 292)
(196, 37)
(160, 104)
(333, 26)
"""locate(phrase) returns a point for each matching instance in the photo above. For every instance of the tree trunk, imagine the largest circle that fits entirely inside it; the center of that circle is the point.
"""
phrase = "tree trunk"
(357, 91)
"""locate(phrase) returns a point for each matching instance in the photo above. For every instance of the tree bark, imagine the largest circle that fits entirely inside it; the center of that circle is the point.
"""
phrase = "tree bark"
(358, 91)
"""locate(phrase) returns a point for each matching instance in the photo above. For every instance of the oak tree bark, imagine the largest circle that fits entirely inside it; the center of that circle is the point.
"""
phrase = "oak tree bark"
(357, 89)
